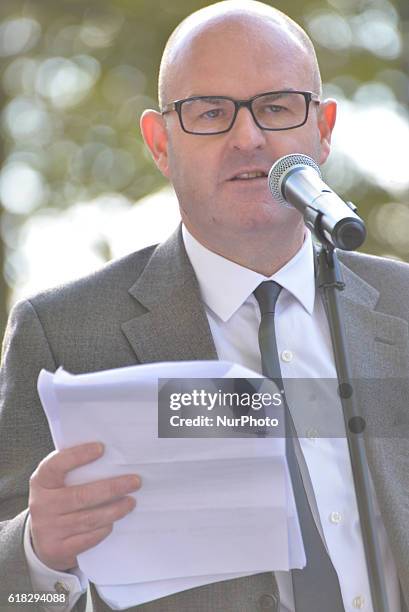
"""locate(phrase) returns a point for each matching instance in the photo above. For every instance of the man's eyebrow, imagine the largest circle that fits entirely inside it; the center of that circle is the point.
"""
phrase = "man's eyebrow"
(207, 96)
(199, 95)
(213, 97)
(280, 93)
(281, 90)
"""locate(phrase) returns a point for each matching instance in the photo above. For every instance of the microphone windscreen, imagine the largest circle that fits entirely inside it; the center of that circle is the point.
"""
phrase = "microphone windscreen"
(280, 168)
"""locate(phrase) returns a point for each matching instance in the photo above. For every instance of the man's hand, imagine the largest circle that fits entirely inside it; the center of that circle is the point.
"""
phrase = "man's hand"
(66, 521)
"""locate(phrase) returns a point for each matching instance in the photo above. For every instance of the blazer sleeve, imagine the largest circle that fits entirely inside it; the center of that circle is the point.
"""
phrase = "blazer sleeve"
(25, 440)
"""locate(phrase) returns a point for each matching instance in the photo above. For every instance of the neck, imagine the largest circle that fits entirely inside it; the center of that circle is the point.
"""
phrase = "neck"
(263, 254)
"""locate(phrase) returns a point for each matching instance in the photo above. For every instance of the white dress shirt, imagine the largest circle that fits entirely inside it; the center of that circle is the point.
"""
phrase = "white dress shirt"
(305, 350)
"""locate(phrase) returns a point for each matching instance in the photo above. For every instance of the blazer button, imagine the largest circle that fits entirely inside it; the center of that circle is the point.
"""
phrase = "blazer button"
(268, 602)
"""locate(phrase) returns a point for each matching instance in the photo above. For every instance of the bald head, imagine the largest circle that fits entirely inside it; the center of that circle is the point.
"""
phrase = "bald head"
(241, 22)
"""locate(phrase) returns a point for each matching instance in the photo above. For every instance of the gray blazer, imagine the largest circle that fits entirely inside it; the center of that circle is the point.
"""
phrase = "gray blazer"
(144, 308)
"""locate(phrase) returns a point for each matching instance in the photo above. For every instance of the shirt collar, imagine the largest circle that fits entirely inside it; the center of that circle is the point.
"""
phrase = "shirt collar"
(226, 285)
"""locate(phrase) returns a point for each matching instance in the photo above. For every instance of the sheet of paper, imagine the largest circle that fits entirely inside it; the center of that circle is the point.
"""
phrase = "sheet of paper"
(208, 507)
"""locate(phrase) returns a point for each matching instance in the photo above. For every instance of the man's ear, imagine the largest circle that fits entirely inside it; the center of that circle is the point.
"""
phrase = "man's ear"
(154, 133)
(327, 114)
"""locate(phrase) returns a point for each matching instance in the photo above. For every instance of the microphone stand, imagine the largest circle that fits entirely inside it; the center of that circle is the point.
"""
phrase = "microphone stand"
(330, 283)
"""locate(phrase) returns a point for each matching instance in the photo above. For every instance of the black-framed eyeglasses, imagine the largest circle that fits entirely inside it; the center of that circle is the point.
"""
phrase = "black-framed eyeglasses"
(274, 110)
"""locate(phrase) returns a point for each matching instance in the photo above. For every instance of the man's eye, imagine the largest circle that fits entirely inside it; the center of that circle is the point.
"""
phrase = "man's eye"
(274, 108)
(214, 113)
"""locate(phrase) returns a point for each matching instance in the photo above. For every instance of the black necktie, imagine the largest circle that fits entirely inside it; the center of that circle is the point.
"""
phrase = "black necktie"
(316, 587)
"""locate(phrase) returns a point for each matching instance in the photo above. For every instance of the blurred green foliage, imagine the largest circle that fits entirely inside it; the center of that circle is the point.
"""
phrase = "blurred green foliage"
(76, 75)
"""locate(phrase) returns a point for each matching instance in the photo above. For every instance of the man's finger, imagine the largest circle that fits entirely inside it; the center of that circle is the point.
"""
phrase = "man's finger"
(79, 497)
(85, 521)
(52, 471)
(77, 544)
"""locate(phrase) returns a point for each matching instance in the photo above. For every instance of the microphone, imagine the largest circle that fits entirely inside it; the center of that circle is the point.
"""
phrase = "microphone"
(296, 180)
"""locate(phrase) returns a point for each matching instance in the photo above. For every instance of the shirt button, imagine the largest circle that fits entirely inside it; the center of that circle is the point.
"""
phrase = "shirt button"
(287, 356)
(335, 517)
(358, 602)
(268, 602)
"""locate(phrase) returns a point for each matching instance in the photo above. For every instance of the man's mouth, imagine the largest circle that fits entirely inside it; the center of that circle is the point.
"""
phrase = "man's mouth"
(246, 176)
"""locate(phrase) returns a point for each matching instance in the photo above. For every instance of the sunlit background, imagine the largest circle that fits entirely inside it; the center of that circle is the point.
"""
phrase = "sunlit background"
(76, 185)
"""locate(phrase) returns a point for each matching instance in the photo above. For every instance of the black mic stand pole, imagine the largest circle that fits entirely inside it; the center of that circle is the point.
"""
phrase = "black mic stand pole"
(330, 283)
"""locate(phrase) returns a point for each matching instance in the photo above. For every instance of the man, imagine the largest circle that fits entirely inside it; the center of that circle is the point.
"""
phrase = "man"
(192, 298)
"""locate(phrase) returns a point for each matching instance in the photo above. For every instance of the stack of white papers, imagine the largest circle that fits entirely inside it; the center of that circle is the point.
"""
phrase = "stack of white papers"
(209, 509)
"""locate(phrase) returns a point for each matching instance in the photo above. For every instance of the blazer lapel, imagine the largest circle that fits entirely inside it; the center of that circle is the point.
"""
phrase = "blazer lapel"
(378, 342)
(173, 325)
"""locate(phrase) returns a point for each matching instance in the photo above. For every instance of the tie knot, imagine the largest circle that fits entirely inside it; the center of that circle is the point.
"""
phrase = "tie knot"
(266, 295)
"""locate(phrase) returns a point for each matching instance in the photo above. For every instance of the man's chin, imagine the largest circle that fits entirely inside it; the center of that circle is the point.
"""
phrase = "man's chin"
(267, 214)
(268, 219)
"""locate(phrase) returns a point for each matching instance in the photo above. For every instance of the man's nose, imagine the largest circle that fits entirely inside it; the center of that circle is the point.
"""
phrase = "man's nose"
(245, 134)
